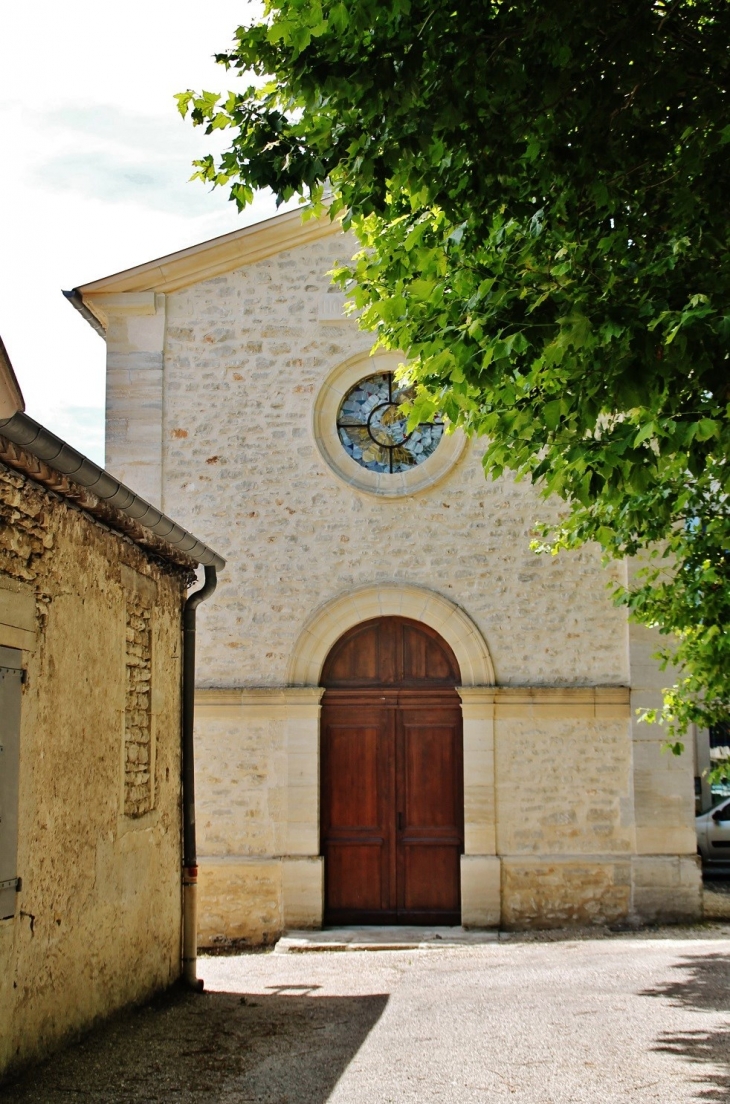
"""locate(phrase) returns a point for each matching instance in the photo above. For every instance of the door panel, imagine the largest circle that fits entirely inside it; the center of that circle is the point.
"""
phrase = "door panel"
(357, 659)
(718, 836)
(358, 843)
(427, 788)
(431, 884)
(355, 878)
(353, 759)
(388, 652)
(424, 658)
(392, 789)
(430, 807)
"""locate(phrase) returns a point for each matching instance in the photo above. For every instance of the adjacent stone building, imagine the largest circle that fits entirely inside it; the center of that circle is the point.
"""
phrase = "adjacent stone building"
(403, 713)
(91, 604)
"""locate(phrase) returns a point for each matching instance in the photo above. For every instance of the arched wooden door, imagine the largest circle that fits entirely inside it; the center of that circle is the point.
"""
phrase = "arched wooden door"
(392, 804)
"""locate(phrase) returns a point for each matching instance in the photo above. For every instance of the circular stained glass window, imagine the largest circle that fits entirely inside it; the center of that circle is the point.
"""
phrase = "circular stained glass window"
(374, 432)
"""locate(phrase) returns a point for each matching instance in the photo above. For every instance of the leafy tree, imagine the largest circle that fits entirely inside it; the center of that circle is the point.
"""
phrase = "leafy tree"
(541, 190)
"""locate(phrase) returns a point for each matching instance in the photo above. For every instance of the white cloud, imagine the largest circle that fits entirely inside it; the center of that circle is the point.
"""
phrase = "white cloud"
(125, 156)
(95, 177)
(73, 423)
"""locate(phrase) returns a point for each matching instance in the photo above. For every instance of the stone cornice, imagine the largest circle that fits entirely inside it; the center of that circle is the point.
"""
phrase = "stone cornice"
(212, 258)
(252, 695)
(523, 702)
(125, 302)
(258, 702)
(498, 702)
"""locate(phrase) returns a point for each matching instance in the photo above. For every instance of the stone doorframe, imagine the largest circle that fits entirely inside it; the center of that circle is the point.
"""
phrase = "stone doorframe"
(303, 871)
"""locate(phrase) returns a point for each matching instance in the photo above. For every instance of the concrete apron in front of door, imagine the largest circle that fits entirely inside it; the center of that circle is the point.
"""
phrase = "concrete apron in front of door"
(389, 938)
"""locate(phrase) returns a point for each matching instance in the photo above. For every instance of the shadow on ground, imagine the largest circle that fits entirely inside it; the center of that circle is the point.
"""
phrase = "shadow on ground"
(701, 985)
(289, 1047)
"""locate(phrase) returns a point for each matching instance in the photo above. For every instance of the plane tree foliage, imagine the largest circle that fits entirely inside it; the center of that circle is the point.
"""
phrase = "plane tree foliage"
(541, 190)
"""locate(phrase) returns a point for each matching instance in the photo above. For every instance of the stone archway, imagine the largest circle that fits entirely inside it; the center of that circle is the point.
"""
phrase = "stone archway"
(480, 868)
(334, 618)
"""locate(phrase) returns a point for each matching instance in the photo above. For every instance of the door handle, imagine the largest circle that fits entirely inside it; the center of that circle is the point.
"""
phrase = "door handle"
(400, 822)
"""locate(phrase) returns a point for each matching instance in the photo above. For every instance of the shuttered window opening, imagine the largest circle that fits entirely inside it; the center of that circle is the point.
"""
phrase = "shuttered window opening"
(11, 684)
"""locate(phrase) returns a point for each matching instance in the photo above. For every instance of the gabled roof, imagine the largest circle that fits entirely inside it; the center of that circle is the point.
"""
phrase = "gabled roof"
(11, 397)
(210, 258)
(34, 451)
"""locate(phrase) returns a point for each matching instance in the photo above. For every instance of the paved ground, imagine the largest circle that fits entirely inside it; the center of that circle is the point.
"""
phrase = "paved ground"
(630, 1018)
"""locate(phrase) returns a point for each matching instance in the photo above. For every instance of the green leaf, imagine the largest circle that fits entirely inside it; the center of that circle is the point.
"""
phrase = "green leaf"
(707, 428)
(648, 430)
(551, 414)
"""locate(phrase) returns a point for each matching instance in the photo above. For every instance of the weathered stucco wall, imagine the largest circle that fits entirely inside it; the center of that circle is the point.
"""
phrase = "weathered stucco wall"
(97, 922)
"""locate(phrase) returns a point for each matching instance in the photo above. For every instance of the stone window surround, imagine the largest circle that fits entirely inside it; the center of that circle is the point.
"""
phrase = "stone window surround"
(139, 590)
(324, 427)
(298, 707)
(139, 751)
(17, 615)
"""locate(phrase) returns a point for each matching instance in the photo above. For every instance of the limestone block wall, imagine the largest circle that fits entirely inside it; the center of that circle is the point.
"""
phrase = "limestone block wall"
(564, 785)
(97, 922)
(565, 812)
(258, 813)
(565, 827)
(550, 831)
(246, 354)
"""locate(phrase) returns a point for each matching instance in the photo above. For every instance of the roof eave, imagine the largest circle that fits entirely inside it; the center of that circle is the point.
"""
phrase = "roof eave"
(118, 505)
(11, 397)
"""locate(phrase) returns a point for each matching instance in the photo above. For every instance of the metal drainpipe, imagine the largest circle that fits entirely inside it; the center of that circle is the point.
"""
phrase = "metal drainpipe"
(190, 858)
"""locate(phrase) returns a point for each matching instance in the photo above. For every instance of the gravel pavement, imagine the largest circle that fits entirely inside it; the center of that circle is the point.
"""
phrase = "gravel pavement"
(628, 1018)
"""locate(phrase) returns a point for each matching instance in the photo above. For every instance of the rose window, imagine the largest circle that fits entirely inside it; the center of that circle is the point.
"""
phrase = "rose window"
(374, 432)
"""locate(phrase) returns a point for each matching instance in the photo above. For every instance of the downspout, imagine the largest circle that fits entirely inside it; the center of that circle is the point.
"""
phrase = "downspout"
(190, 858)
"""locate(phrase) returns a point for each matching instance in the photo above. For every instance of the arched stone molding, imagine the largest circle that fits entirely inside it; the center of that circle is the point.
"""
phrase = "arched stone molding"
(324, 429)
(330, 621)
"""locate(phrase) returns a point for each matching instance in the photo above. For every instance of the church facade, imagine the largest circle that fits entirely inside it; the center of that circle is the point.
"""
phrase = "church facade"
(404, 714)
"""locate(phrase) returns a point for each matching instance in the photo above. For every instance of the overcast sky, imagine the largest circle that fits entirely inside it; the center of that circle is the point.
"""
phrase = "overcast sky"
(95, 168)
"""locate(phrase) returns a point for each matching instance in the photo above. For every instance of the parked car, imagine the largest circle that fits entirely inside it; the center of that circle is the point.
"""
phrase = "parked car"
(713, 834)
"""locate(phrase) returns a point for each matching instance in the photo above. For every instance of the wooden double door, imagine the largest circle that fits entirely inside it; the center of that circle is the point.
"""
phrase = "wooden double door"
(392, 820)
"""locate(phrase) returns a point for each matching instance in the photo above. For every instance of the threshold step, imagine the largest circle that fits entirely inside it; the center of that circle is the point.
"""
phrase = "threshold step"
(395, 938)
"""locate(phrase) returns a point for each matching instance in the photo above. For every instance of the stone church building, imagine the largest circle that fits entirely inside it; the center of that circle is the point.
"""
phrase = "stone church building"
(404, 715)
